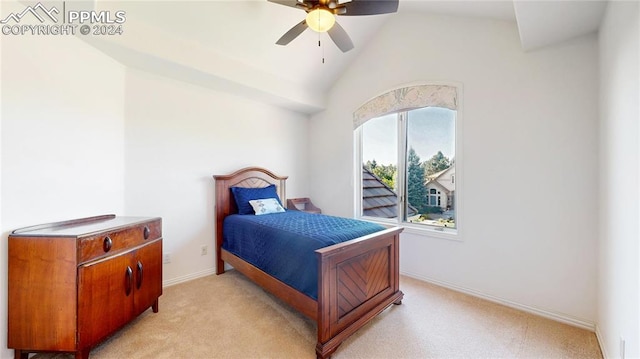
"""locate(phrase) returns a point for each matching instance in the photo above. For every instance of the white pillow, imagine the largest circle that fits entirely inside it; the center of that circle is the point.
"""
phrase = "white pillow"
(266, 206)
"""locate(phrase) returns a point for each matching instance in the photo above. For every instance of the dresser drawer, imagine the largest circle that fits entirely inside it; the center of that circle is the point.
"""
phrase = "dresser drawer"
(117, 240)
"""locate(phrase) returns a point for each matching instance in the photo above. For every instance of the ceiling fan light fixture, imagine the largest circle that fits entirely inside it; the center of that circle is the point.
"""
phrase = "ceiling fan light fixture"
(320, 20)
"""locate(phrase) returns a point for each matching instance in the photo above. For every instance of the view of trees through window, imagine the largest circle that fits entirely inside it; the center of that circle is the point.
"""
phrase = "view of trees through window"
(425, 138)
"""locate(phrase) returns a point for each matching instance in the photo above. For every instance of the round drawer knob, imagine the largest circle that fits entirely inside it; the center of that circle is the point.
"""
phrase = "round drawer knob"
(146, 232)
(107, 243)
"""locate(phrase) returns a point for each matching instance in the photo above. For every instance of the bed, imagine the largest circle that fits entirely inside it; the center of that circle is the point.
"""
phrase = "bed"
(356, 279)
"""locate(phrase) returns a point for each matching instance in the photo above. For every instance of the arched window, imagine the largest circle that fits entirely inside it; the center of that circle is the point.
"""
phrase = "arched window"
(406, 144)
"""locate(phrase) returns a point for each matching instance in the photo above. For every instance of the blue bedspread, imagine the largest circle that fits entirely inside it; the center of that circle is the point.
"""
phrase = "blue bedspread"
(283, 244)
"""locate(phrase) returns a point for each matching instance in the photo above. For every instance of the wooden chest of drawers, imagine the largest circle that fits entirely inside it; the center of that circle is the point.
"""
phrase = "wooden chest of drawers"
(73, 283)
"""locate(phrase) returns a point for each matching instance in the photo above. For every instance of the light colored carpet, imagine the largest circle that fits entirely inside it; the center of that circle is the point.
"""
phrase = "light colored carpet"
(227, 316)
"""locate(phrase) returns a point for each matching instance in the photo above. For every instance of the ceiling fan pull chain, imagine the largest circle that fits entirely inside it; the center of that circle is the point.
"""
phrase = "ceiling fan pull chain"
(321, 47)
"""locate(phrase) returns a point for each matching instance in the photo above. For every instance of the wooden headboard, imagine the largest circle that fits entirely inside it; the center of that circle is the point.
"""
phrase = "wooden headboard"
(249, 177)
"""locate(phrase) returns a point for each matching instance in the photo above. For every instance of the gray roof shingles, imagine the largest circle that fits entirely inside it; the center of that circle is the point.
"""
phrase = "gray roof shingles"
(378, 200)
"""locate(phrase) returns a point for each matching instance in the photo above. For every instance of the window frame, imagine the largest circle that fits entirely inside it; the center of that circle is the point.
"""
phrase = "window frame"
(414, 228)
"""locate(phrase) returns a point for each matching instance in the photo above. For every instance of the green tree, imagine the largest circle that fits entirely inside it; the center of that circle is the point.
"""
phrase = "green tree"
(387, 173)
(436, 164)
(416, 190)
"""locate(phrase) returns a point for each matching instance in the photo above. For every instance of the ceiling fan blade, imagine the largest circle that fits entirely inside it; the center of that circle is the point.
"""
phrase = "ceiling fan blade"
(292, 33)
(340, 37)
(370, 7)
(290, 3)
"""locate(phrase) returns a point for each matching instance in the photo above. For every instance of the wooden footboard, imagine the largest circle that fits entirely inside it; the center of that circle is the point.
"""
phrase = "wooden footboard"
(357, 280)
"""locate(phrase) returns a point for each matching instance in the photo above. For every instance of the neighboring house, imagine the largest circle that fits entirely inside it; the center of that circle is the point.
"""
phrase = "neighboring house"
(441, 188)
(379, 200)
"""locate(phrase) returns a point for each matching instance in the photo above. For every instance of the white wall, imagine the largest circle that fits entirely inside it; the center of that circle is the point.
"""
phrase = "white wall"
(529, 160)
(62, 145)
(63, 131)
(83, 136)
(619, 252)
(177, 136)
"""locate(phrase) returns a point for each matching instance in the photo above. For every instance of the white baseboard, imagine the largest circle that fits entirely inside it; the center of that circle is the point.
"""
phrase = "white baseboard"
(602, 347)
(188, 277)
(525, 308)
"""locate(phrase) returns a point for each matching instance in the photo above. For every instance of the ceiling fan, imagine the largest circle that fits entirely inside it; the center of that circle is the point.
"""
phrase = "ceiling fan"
(321, 17)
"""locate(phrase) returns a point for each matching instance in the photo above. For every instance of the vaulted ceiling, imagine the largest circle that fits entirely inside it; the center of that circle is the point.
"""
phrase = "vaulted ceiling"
(230, 45)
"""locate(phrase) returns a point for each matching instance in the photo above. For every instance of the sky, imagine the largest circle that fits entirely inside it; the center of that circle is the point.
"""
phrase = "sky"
(431, 129)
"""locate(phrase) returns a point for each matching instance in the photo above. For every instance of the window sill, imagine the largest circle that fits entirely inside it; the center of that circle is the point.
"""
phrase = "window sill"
(418, 229)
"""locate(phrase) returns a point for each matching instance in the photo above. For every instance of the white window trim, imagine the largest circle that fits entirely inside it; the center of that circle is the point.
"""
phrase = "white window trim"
(413, 228)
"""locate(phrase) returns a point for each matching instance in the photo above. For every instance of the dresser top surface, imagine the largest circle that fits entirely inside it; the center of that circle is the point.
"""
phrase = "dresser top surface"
(82, 226)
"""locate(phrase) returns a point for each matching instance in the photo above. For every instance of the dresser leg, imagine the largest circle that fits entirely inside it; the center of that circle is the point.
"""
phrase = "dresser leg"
(19, 354)
(154, 306)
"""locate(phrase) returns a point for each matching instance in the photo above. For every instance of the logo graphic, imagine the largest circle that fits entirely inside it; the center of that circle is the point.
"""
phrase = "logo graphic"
(33, 10)
(72, 22)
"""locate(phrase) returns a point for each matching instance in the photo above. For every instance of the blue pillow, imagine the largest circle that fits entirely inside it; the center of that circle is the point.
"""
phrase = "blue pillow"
(244, 195)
